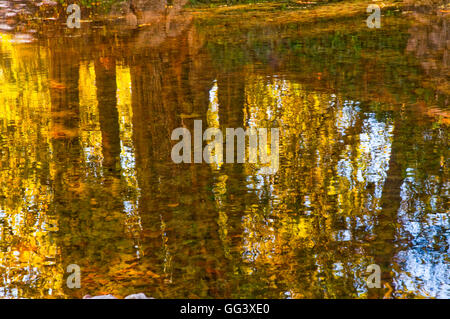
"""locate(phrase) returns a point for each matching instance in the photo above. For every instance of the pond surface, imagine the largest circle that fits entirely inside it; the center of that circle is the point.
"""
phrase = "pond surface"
(86, 175)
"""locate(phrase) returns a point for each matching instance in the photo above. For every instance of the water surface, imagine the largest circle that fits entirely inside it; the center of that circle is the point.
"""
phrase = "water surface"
(86, 175)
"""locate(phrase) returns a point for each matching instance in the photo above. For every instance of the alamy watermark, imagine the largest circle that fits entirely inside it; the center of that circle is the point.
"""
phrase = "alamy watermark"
(74, 19)
(213, 152)
(374, 279)
(74, 279)
(374, 20)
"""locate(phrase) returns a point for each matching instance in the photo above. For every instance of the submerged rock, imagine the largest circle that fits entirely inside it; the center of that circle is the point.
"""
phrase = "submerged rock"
(47, 3)
(22, 38)
(99, 297)
(6, 27)
(138, 296)
(133, 296)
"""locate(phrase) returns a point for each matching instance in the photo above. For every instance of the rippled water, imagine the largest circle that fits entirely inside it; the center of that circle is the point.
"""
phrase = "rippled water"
(86, 175)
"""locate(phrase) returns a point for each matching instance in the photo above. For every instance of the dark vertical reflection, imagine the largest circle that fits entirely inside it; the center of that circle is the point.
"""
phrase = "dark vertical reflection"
(231, 87)
(64, 94)
(105, 72)
(386, 227)
(232, 102)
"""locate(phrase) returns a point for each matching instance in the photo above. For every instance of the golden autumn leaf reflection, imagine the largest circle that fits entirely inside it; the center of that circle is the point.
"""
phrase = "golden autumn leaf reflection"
(86, 176)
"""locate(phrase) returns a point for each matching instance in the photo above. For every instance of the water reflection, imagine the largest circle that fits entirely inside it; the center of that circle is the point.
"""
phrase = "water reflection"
(87, 178)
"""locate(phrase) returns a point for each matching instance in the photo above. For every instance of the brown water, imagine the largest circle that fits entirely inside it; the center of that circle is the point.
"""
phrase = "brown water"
(86, 175)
